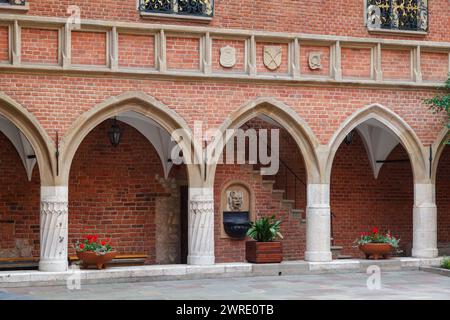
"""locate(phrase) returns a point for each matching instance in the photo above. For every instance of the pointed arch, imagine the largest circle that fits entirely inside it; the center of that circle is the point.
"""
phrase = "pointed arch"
(287, 118)
(140, 103)
(28, 125)
(396, 124)
(438, 149)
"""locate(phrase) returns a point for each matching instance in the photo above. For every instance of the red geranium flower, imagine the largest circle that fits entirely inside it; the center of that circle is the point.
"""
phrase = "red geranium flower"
(82, 246)
(375, 230)
(103, 243)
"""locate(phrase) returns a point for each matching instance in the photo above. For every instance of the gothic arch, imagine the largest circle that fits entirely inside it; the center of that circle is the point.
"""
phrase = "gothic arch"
(288, 119)
(35, 134)
(438, 148)
(132, 101)
(396, 124)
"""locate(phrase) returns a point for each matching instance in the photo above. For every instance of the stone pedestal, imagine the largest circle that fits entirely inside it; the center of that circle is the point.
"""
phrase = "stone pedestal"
(54, 228)
(424, 222)
(201, 226)
(318, 223)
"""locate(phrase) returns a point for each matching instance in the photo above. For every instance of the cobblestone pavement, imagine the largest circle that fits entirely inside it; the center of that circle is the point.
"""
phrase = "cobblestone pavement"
(395, 285)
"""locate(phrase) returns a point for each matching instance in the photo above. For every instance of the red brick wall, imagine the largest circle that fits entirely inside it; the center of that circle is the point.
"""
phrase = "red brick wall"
(60, 100)
(396, 64)
(89, 48)
(356, 63)
(329, 17)
(443, 196)
(4, 44)
(136, 50)
(434, 66)
(19, 201)
(39, 45)
(112, 191)
(360, 202)
(266, 204)
(183, 53)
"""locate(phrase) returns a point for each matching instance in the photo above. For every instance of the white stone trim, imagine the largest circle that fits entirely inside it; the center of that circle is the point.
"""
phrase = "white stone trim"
(54, 228)
(201, 226)
(424, 222)
(318, 223)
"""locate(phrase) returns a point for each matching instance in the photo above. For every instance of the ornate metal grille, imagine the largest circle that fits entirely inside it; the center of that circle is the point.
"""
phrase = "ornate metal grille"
(398, 14)
(204, 8)
(14, 2)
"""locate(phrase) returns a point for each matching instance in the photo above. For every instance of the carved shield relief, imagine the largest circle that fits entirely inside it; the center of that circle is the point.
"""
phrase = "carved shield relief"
(272, 57)
(227, 57)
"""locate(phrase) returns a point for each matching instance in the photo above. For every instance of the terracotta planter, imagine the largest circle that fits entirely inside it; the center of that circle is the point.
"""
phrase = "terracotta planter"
(264, 252)
(89, 258)
(376, 251)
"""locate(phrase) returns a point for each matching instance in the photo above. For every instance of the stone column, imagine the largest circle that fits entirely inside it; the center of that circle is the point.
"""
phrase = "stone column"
(424, 221)
(54, 228)
(318, 223)
(201, 226)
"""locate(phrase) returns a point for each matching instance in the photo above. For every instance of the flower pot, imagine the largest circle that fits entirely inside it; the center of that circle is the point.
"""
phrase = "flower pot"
(376, 251)
(88, 258)
(264, 252)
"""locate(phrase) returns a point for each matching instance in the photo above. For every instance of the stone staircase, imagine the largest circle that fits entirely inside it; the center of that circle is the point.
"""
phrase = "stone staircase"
(278, 194)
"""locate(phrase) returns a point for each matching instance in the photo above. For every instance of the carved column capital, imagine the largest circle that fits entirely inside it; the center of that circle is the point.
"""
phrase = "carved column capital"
(202, 205)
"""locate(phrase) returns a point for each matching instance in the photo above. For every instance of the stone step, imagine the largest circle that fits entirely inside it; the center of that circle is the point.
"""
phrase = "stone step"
(343, 256)
(297, 212)
(268, 184)
(278, 193)
(287, 203)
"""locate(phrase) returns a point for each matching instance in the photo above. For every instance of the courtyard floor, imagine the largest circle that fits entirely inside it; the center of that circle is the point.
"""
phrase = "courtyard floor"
(394, 285)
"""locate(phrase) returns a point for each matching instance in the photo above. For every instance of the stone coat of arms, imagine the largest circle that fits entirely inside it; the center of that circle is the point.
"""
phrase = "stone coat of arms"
(272, 57)
(227, 57)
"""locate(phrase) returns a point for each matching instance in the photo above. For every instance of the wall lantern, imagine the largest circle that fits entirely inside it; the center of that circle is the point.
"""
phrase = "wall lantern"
(115, 133)
(349, 138)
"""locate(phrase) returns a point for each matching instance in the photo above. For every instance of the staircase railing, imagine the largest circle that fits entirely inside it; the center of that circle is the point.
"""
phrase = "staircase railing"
(288, 171)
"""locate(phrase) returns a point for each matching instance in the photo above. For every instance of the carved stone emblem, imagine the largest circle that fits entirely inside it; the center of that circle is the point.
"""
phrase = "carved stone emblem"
(272, 57)
(315, 60)
(227, 57)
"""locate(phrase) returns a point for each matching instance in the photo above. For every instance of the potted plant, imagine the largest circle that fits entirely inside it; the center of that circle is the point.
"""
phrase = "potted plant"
(376, 245)
(264, 249)
(91, 250)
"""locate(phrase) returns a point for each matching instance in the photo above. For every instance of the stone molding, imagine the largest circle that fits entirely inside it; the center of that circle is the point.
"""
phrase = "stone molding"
(206, 36)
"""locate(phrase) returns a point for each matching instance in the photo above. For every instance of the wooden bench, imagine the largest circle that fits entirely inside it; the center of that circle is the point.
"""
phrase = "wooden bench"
(29, 263)
(121, 259)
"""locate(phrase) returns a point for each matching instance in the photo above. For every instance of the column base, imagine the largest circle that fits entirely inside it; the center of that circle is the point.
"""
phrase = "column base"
(53, 265)
(200, 260)
(425, 253)
(318, 256)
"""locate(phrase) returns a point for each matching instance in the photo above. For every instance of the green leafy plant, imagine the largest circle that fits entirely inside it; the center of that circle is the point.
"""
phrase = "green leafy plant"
(91, 243)
(376, 237)
(265, 229)
(445, 263)
(441, 102)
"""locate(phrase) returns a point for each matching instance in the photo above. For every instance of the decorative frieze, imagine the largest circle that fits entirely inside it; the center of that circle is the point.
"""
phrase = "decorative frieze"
(271, 55)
